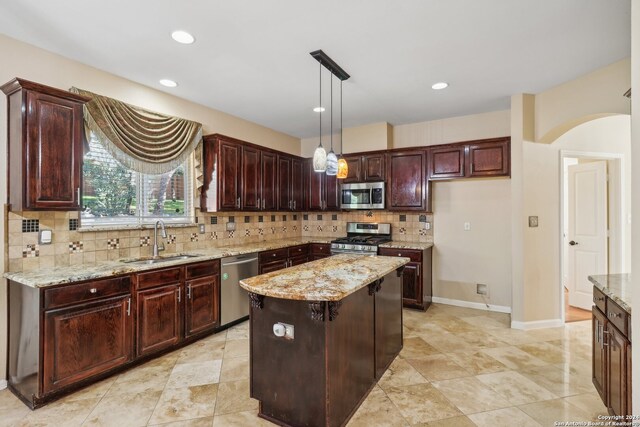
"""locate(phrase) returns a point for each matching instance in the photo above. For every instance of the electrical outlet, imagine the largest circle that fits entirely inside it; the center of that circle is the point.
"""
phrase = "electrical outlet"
(231, 226)
(427, 226)
(467, 226)
(482, 289)
(533, 221)
(201, 228)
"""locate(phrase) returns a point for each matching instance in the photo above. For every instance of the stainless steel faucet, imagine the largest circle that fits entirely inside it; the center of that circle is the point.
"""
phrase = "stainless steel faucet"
(158, 247)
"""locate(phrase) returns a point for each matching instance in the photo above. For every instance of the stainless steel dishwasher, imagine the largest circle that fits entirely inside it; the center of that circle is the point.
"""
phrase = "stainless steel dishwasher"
(234, 301)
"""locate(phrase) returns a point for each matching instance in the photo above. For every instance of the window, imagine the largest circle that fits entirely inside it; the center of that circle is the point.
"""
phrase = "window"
(115, 195)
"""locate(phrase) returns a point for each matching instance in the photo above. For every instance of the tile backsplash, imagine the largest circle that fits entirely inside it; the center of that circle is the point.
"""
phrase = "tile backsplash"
(71, 246)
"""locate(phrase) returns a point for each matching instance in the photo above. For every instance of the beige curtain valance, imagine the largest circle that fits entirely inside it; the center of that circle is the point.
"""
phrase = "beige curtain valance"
(140, 139)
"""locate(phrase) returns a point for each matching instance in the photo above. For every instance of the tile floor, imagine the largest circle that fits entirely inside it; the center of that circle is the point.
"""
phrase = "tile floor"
(459, 367)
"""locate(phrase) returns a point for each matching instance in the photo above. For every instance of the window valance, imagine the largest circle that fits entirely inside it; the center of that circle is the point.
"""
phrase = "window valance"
(142, 140)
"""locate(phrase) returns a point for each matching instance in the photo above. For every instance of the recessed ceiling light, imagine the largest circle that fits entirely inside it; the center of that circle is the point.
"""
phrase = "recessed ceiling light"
(183, 37)
(168, 83)
(439, 86)
(319, 109)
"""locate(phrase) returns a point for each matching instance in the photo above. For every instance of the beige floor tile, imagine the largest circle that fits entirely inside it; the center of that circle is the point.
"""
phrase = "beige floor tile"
(234, 397)
(59, 414)
(470, 395)
(12, 410)
(240, 419)
(422, 403)
(590, 403)
(480, 340)
(455, 325)
(516, 388)
(236, 348)
(196, 422)
(202, 352)
(400, 373)
(513, 357)
(438, 367)
(123, 410)
(459, 421)
(513, 336)
(192, 374)
(558, 381)
(445, 342)
(548, 352)
(186, 403)
(488, 322)
(416, 347)
(549, 412)
(94, 391)
(503, 417)
(477, 362)
(140, 380)
(377, 409)
(238, 332)
(234, 369)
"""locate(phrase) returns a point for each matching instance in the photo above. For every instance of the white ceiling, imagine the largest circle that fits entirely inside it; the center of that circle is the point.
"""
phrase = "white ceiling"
(251, 57)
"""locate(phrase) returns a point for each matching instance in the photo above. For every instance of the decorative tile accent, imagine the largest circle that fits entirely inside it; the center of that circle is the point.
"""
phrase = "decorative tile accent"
(196, 219)
(403, 218)
(305, 228)
(145, 241)
(261, 231)
(334, 217)
(319, 228)
(31, 251)
(422, 232)
(273, 230)
(194, 237)
(334, 228)
(295, 217)
(113, 244)
(247, 219)
(73, 224)
(171, 238)
(284, 217)
(295, 228)
(230, 234)
(247, 233)
(260, 218)
(273, 218)
(402, 230)
(232, 219)
(214, 220)
(30, 225)
(423, 218)
(319, 217)
(305, 217)
(284, 229)
(75, 247)
(369, 214)
(213, 235)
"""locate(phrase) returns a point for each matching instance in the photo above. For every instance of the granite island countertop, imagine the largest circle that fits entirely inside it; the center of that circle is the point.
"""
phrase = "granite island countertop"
(328, 279)
(407, 245)
(76, 273)
(615, 286)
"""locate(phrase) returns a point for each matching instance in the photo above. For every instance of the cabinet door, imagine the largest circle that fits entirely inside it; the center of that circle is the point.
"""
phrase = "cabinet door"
(355, 167)
(202, 305)
(315, 195)
(373, 166)
(273, 266)
(599, 355)
(412, 285)
(86, 340)
(284, 183)
(159, 318)
(297, 184)
(250, 197)
(332, 193)
(447, 162)
(269, 168)
(229, 175)
(297, 260)
(53, 153)
(489, 159)
(407, 186)
(617, 375)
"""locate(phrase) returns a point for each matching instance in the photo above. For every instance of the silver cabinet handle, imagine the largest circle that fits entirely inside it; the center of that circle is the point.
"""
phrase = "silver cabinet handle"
(189, 291)
(259, 203)
(93, 290)
(613, 315)
(418, 269)
(604, 341)
(290, 204)
(179, 294)
(262, 204)
(128, 307)
(238, 202)
(78, 191)
(294, 205)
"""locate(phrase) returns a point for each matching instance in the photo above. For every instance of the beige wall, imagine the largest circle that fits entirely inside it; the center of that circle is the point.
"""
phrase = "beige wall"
(29, 62)
(593, 95)
(635, 182)
(371, 137)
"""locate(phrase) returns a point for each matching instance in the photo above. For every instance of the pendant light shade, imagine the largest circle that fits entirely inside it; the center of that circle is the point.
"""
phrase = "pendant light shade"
(320, 155)
(332, 163)
(343, 168)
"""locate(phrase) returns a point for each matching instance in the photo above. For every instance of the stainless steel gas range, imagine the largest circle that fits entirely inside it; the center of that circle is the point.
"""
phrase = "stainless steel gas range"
(362, 238)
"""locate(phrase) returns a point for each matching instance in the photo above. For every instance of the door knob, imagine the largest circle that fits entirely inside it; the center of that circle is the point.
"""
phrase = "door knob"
(573, 243)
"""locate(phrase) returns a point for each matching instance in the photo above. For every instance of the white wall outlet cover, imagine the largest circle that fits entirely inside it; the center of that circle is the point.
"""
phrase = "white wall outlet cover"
(231, 226)
(533, 221)
(201, 226)
(467, 226)
(45, 237)
(279, 329)
(427, 226)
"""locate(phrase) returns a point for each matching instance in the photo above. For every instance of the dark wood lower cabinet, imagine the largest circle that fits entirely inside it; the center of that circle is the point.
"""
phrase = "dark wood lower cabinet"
(82, 341)
(202, 312)
(159, 318)
(416, 276)
(599, 354)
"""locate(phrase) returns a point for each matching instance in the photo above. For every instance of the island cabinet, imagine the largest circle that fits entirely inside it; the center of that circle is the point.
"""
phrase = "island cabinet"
(611, 353)
(416, 277)
(470, 159)
(318, 372)
(408, 188)
(45, 146)
(278, 259)
(369, 167)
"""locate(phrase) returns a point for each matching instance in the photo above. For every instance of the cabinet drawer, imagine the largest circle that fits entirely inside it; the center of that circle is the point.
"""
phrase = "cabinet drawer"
(269, 256)
(599, 299)
(618, 317)
(202, 269)
(155, 278)
(88, 291)
(298, 250)
(414, 255)
(321, 248)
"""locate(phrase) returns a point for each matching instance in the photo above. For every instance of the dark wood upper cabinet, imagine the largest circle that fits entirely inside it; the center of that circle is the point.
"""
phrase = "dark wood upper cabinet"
(407, 184)
(297, 184)
(284, 183)
(447, 162)
(354, 164)
(323, 191)
(269, 178)
(228, 162)
(373, 167)
(46, 139)
(489, 158)
(332, 193)
(251, 179)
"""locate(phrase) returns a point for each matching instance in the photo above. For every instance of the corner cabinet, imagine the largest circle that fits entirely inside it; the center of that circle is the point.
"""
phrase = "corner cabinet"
(408, 188)
(46, 140)
(416, 276)
(611, 354)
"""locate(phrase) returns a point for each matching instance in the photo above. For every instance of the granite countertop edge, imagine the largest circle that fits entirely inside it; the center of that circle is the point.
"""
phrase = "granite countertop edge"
(407, 245)
(616, 286)
(76, 273)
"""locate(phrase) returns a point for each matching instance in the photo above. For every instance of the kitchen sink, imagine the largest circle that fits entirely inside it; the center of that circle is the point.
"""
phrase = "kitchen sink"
(158, 260)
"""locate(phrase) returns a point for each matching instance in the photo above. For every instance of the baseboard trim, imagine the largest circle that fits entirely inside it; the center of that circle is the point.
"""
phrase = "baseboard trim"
(537, 324)
(469, 304)
(3, 384)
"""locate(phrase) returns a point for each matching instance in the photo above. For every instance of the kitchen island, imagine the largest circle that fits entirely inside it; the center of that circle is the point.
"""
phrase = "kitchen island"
(322, 335)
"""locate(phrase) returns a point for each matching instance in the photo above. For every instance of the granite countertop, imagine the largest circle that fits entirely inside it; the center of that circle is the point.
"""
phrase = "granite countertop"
(75, 273)
(615, 286)
(407, 245)
(328, 279)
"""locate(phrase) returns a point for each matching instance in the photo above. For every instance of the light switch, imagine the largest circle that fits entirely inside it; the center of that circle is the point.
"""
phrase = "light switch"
(533, 221)
(467, 226)
(231, 226)
(45, 237)
(201, 226)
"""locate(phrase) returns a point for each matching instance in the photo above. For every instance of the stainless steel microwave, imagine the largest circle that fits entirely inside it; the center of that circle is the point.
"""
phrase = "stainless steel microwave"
(364, 195)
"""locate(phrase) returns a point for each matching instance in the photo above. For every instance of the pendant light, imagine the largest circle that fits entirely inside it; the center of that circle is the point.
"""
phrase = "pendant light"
(343, 167)
(332, 159)
(320, 155)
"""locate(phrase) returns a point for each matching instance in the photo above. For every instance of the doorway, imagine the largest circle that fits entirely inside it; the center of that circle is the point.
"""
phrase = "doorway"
(591, 226)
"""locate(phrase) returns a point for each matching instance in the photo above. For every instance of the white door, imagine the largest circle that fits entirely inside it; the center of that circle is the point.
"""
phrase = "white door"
(587, 238)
